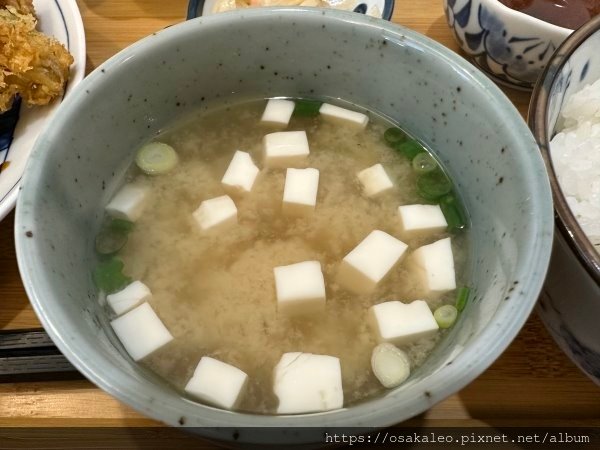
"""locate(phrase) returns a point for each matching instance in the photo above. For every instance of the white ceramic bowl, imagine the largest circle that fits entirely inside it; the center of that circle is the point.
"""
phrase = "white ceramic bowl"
(473, 128)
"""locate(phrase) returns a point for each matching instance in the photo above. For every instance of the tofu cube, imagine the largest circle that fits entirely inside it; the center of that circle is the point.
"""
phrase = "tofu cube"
(365, 266)
(421, 219)
(128, 203)
(218, 211)
(343, 116)
(402, 323)
(300, 192)
(278, 112)
(240, 175)
(374, 180)
(300, 288)
(435, 264)
(128, 298)
(306, 383)
(285, 149)
(217, 383)
(141, 331)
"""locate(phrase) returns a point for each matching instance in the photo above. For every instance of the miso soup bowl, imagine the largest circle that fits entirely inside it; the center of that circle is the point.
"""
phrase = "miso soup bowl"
(479, 136)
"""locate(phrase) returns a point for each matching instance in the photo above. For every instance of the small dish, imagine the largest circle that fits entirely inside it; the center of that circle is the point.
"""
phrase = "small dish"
(570, 304)
(382, 9)
(510, 46)
(20, 127)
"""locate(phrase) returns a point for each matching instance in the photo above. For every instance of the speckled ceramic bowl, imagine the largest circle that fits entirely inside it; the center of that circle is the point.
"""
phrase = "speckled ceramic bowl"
(510, 46)
(570, 306)
(79, 162)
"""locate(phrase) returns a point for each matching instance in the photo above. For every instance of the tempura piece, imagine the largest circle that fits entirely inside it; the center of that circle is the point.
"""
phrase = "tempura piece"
(32, 65)
(21, 6)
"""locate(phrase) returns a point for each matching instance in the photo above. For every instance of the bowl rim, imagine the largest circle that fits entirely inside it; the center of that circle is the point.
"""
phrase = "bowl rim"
(565, 220)
(524, 17)
(380, 412)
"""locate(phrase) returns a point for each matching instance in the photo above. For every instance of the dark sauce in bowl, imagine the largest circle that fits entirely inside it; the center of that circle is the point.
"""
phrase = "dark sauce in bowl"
(564, 13)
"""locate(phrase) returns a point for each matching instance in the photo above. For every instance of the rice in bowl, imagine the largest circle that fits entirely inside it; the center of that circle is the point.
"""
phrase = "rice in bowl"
(575, 152)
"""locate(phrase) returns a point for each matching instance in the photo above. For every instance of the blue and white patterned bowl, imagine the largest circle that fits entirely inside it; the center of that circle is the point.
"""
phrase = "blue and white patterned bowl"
(510, 46)
(382, 8)
(570, 306)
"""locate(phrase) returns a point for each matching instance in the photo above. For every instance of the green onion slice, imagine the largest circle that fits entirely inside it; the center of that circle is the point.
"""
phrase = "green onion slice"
(113, 236)
(445, 316)
(433, 185)
(462, 296)
(307, 108)
(108, 276)
(410, 149)
(424, 163)
(453, 212)
(390, 365)
(156, 158)
(121, 225)
(110, 241)
(394, 136)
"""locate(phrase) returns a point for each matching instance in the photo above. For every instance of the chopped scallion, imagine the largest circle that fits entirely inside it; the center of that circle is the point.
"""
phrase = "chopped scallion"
(445, 316)
(410, 149)
(108, 276)
(462, 296)
(390, 365)
(453, 212)
(433, 185)
(424, 163)
(394, 136)
(121, 225)
(113, 236)
(156, 158)
(307, 108)
(110, 241)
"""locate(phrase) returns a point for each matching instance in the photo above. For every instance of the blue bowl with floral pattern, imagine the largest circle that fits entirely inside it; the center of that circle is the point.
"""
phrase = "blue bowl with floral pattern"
(510, 46)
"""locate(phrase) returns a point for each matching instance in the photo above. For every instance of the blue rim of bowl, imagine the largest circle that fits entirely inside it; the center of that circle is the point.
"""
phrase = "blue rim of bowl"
(195, 8)
(565, 220)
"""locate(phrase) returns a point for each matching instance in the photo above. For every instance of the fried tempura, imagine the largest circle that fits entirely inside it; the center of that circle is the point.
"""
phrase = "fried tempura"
(21, 6)
(32, 65)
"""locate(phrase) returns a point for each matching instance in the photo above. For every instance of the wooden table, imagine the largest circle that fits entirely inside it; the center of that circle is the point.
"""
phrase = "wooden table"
(532, 383)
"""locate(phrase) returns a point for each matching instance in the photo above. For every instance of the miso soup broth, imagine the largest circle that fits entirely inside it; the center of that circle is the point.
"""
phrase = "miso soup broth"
(214, 290)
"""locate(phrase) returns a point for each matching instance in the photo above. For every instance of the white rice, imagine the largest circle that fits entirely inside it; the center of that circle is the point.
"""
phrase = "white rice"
(575, 154)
